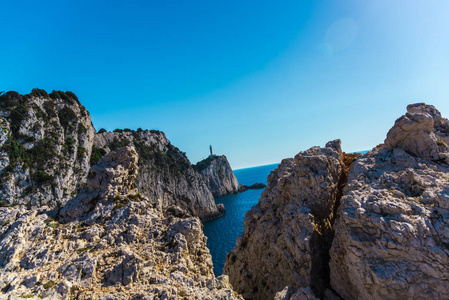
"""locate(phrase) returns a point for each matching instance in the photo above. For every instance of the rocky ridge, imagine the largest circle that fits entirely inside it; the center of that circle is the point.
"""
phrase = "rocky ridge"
(166, 174)
(218, 175)
(386, 228)
(45, 147)
(109, 242)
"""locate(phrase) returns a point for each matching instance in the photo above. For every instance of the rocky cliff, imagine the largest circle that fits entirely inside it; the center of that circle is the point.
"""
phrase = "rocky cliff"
(166, 174)
(218, 175)
(45, 147)
(110, 242)
(392, 234)
(390, 238)
(287, 235)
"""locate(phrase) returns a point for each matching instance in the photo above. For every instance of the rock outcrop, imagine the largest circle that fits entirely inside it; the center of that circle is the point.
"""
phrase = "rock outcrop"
(166, 174)
(110, 242)
(392, 233)
(288, 234)
(218, 175)
(255, 186)
(45, 147)
(389, 239)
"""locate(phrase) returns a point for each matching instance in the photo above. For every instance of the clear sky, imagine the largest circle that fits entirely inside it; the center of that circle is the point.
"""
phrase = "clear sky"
(258, 80)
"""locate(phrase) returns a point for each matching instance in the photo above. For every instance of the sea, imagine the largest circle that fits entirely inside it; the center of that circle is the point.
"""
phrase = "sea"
(222, 232)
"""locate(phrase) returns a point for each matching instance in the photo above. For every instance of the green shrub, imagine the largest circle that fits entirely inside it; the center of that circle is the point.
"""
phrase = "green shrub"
(102, 130)
(201, 165)
(97, 153)
(67, 117)
(81, 152)
(40, 177)
(50, 109)
(38, 93)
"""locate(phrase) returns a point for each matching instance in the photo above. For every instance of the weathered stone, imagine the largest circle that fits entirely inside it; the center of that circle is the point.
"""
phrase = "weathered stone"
(45, 147)
(287, 234)
(219, 177)
(392, 231)
(120, 247)
(165, 174)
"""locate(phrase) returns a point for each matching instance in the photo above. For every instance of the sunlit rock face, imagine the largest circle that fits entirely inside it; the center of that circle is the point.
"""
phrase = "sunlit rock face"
(392, 231)
(165, 175)
(45, 148)
(110, 242)
(287, 235)
(219, 177)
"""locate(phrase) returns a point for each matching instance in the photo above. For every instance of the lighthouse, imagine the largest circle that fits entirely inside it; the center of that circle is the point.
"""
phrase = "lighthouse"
(211, 153)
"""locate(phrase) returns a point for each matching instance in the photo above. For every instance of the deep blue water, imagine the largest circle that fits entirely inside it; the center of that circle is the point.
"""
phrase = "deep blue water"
(222, 232)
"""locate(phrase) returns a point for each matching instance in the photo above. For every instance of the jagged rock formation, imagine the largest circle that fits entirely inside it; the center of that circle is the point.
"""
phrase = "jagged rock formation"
(45, 146)
(392, 234)
(108, 243)
(166, 174)
(390, 239)
(288, 234)
(218, 175)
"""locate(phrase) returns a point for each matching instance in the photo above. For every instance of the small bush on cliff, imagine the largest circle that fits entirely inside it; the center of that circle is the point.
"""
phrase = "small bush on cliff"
(40, 177)
(201, 165)
(97, 153)
(66, 117)
(102, 130)
(38, 93)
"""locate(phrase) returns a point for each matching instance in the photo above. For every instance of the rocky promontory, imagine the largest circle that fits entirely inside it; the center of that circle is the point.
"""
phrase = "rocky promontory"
(218, 175)
(110, 242)
(166, 174)
(331, 225)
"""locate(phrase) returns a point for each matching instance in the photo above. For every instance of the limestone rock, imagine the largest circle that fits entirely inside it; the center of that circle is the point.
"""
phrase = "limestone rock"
(166, 174)
(290, 293)
(287, 234)
(218, 175)
(45, 146)
(117, 245)
(392, 231)
(421, 132)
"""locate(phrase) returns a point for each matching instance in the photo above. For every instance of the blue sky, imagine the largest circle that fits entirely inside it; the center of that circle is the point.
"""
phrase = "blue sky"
(259, 81)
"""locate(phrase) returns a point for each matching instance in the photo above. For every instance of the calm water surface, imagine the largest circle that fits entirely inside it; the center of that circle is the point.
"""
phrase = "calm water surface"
(222, 232)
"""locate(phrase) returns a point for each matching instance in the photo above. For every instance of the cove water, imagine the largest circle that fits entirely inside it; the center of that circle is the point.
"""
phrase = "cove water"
(222, 232)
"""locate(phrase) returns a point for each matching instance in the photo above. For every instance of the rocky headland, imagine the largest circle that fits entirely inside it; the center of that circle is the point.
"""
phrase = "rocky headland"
(110, 242)
(375, 226)
(165, 172)
(218, 175)
(79, 222)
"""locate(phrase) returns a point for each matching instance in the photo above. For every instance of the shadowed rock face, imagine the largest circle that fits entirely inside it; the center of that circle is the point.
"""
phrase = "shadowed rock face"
(109, 243)
(392, 232)
(219, 177)
(287, 234)
(165, 175)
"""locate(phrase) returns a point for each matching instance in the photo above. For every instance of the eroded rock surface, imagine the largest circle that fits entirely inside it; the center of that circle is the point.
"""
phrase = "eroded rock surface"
(392, 232)
(218, 175)
(45, 147)
(114, 244)
(166, 174)
(288, 234)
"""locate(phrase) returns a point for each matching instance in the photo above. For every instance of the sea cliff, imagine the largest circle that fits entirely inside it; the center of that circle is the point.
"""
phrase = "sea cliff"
(218, 175)
(373, 226)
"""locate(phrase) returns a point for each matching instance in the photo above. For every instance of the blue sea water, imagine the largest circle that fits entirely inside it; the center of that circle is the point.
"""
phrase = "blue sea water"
(222, 232)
